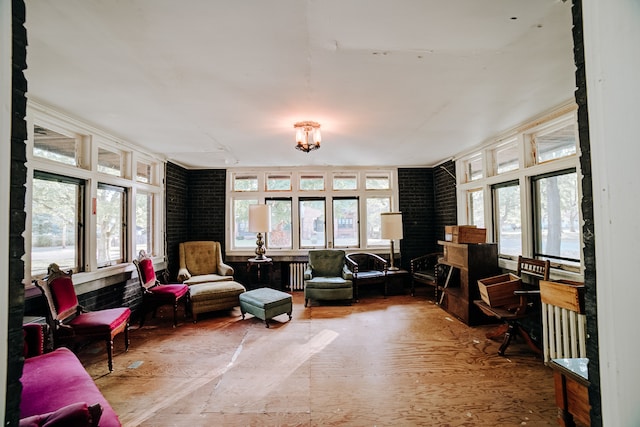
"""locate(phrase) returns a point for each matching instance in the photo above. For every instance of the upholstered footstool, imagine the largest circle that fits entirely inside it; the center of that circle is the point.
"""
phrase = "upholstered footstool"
(265, 304)
(214, 296)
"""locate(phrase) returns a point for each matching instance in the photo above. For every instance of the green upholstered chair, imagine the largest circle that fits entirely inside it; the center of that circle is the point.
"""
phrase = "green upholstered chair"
(328, 277)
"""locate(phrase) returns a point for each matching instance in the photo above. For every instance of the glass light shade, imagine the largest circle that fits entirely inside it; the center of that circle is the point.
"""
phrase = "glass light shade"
(259, 218)
(391, 225)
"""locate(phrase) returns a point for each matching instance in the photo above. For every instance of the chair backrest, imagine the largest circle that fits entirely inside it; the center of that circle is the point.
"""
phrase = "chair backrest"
(534, 267)
(200, 257)
(146, 272)
(327, 262)
(60, 293)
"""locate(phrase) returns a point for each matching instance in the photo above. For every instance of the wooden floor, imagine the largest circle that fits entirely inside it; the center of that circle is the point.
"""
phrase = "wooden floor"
(399, 361)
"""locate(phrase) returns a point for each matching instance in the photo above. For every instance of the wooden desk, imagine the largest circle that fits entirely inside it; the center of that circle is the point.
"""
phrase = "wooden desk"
(571, 378)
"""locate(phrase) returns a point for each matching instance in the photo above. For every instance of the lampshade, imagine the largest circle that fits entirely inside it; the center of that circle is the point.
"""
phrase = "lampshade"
(391, 225)
(259, 218)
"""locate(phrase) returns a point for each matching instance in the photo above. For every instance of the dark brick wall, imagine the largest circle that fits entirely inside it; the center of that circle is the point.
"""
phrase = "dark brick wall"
(176, 211)
(195, 208)
(17, 216)
(446, 201)
(418, 207)
(588, 234)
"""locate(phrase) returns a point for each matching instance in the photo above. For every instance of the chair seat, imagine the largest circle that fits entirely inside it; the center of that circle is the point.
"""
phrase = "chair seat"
(207, 278)
(501, 313)
(327, 283)
(169, 291)
(370, 275)
(103, 321)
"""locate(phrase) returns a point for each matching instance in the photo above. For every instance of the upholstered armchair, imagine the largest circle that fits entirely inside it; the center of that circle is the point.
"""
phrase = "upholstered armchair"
(328, 277)
(201, 262)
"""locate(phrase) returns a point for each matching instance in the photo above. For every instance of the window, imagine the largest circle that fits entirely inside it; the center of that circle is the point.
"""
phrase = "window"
(312, 223)
(278, 183)
(51, 145)
(311, 209)
(311, 182)
(507, 219)
(280, 236)
(506, 157)
(143, 172)
(556, 217)
(109, 162)
(377, 182)
(555, 144)
(345, 223)
(245, 183)
(243, 238)
(345, 182)
(475, 201)
(110, 225)
(144, 222)
(473, 169)
(376, 206)
(56, 222)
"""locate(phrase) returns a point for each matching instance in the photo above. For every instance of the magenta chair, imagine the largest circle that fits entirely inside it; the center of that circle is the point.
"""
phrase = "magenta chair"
(72, 324)
(155, 294)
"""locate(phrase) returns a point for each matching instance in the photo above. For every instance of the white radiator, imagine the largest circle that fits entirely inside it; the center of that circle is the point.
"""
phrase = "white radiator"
(564, 333)
(296, 275)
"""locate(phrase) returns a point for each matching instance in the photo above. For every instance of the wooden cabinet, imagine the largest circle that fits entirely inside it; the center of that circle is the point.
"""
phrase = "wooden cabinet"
(469, 262)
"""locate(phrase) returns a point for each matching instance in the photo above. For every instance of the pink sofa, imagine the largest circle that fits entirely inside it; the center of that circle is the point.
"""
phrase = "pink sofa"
(57, 390)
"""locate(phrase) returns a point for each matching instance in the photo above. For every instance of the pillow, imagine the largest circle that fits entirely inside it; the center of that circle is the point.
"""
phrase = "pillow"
(74, 415)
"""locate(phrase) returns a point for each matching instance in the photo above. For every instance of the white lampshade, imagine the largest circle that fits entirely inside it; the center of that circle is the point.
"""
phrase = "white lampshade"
(259, 218)
(391, 225)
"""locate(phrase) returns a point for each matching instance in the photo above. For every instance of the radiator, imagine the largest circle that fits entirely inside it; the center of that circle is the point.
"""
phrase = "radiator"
(296, 275)
(564, 333)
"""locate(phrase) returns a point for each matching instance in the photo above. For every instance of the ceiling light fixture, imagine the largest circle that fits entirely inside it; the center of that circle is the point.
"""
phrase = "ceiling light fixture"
(307, 136)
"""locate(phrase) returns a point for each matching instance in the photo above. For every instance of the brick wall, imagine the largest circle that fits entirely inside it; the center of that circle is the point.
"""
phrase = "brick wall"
(17, 216)
(588, 234)
(446, 201)
(176, 211)
(418, 207)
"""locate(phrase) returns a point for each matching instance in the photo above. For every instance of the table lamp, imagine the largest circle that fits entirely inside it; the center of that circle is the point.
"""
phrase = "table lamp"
(391, 224)
(259, 222)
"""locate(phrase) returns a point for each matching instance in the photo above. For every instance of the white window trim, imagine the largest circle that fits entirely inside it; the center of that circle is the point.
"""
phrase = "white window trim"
(43, 115)
(523, 175)
(295, 194)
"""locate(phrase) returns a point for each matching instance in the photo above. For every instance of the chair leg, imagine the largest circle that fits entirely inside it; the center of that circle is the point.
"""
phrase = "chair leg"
(175, 314)
(126, 337)
(110, 354)
(507, 339)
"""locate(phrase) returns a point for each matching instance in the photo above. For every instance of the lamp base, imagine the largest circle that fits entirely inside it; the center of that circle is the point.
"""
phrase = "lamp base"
(393, 268)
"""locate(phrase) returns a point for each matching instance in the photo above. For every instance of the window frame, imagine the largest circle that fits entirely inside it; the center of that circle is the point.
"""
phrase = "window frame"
(528, 170)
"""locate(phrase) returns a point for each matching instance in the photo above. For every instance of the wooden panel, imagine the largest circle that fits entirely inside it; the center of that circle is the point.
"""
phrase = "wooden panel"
(563, 293)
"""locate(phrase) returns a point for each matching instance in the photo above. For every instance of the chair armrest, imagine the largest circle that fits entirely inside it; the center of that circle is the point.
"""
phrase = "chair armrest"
(225, 269)
(183, 274)
(308, 273)
(346, 272)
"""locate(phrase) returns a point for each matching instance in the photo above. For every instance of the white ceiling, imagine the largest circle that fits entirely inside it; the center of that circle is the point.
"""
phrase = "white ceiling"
(212, 83)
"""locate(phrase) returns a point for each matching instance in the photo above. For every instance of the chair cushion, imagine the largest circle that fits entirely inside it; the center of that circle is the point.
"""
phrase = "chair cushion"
(372, 274)
(222, 289)
(327, 283)
(148, 272)
(428, 276)
(265, 298)
(327, 262)
(207, 278)
(64, 294)
(102, 321)
(201, 257)
(169, 291)
(73, 415)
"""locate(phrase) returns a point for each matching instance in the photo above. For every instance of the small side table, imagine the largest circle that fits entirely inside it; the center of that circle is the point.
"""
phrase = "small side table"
(396, 280)
(571, 378)
(262, 267)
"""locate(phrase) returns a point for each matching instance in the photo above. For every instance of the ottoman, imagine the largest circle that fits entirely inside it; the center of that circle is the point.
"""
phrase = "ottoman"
(265, 303)
(214, 296)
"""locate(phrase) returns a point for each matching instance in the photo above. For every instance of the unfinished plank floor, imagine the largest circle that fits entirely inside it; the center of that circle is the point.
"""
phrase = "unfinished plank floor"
(396, 361)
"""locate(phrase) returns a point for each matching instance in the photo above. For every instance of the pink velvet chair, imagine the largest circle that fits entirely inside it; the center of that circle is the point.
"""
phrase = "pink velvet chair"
(72, 324)
(155, 294)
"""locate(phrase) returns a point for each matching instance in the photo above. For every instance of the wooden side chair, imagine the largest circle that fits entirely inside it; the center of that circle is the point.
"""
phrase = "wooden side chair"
(72, 324)
(518, 308)
(155, 294)
(425, 270)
